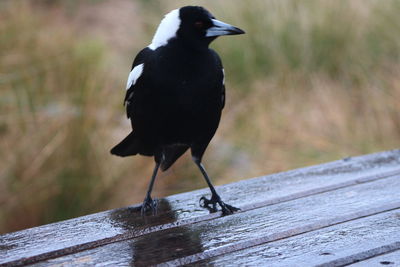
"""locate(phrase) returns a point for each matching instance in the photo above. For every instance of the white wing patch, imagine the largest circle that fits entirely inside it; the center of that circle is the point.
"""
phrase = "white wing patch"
(134, 75)
(223, 76)
(166, 30)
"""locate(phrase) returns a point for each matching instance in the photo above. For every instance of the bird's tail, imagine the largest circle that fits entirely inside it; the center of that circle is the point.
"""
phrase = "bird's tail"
(127, 147)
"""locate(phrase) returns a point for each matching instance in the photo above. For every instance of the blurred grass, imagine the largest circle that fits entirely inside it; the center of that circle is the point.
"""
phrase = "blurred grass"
(52, 87)
(310, 82)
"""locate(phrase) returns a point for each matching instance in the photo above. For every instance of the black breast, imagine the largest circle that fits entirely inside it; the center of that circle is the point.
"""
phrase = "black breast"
(182, 102)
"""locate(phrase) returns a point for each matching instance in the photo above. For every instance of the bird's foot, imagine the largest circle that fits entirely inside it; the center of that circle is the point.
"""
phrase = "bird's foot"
(211, 205)
(149, 205)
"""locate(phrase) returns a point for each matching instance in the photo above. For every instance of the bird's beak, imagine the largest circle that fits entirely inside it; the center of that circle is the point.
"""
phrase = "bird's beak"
(221, 28)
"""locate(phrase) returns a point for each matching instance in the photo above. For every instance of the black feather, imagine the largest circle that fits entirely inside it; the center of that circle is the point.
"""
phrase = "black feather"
(177, 96)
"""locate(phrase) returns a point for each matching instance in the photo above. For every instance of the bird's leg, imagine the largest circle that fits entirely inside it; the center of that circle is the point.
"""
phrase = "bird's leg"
(211, 204)
(149, 203)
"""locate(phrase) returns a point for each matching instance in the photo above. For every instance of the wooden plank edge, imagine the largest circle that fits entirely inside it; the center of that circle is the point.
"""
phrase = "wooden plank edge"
(133, 234)
(286, 234)
(365, 255)
(321, 190)
(391, 258)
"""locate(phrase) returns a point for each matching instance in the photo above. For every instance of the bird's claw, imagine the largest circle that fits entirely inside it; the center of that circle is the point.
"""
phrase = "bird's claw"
(149, 205)
(211, 205)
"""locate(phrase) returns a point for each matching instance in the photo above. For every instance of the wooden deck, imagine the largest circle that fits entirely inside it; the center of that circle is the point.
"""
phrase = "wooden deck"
(341, 213)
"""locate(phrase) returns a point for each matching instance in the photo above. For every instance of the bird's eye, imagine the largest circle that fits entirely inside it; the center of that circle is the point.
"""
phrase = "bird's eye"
(199, 24)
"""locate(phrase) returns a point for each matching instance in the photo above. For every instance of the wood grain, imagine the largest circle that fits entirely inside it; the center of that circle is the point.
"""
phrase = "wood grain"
(389, 259)
(337, 245)
(181, 213)
(230, 234)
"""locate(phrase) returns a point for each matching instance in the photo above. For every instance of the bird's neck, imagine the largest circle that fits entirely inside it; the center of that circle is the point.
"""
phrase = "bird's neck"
(190, 45)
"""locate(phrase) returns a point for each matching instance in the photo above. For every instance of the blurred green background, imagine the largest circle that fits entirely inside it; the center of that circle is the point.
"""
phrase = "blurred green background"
(310, 82)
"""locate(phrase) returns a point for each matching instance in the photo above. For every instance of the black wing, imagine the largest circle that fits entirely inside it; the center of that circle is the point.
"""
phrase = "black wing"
(222, 79)
(139, 59)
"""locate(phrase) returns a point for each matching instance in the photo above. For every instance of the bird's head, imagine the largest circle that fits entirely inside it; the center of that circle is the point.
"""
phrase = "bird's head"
(193, 25)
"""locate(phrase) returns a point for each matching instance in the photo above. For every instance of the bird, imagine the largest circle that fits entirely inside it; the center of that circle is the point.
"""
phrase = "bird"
(175, 94)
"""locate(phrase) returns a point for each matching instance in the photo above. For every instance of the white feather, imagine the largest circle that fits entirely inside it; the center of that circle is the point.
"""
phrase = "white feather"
(134, 75)
(166, 30)
(223, 76)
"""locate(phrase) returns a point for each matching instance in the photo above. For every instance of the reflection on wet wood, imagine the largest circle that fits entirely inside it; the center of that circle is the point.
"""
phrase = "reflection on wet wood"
(338, 213)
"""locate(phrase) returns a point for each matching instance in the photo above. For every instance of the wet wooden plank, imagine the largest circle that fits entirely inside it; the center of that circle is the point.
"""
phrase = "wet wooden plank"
(203, 240)
(99, 229)
(337, 245)
(389, 259)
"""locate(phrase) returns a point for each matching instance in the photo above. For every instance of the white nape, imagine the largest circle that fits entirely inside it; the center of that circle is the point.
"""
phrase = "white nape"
(223, 76)
(166, 30)
(134, 75)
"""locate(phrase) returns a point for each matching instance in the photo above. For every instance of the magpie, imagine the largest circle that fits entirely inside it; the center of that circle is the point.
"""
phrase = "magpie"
(175, 96)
